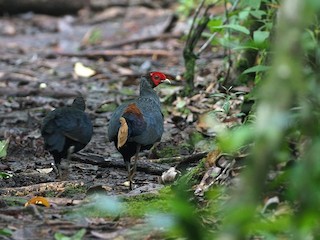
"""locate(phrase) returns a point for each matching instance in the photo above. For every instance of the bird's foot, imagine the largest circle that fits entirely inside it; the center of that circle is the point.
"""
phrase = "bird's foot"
(64, 170)
(70, 151)
(131, 185)
(56, 169)
(61, 171)
(130, 180)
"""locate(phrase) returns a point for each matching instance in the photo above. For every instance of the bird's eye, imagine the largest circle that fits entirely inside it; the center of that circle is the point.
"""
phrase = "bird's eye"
(156, 77)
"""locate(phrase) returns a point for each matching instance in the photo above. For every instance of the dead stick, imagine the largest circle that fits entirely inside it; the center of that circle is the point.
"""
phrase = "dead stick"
(40, 188)
(143, 166)
(29, 91)
(141, 40)
(113, 53)
(180, 159)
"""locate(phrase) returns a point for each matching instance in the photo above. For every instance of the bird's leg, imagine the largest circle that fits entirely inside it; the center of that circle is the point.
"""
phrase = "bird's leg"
(65, 168)
(134, 168)
(129, 173)
(57, 169)
(70, 151)
(56, 166)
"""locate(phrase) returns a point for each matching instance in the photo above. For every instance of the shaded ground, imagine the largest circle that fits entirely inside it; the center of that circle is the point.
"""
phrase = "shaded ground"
(37, 58)
(30, 58)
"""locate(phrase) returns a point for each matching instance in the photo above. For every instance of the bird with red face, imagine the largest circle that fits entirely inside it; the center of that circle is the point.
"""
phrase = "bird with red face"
(138, 124)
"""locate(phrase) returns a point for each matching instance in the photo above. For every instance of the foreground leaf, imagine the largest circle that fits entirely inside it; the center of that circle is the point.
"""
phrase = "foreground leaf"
(77, 236)
(3, 148)
(4, 175)
(5, 232)
(235, 27)
(258, 68)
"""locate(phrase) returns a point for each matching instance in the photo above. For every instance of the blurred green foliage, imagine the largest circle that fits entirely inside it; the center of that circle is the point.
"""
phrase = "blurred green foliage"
(77, 236)
(5, 232)
(276, 46)
(3, 148)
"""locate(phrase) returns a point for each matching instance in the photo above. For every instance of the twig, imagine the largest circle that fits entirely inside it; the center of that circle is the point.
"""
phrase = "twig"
(189, 55)
(39, 188)
(193, 23)
(143, 166)
(113, 53)
(181, 159)
(31, 91)
(227, 48)
(141, 40)
(35, 211)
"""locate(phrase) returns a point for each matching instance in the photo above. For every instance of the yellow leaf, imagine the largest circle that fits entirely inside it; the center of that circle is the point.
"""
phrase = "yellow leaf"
(83, 71)
(38, 201)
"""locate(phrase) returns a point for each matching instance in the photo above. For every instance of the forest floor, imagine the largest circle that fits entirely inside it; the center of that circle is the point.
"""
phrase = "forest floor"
(38, 55)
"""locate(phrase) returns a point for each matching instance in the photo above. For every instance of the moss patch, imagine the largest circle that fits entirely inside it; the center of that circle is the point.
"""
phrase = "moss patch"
(107, 107)
(168, 151)
(72, 191)
(12, 201)
(140, 205)
(193, 176)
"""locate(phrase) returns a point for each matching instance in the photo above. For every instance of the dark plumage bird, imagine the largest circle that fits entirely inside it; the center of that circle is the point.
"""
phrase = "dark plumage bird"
(138, 124)
(66, 130)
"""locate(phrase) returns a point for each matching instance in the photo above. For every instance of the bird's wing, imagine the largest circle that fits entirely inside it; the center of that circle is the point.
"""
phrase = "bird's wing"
(54, 139)
(75, 125)
(114, 122)
(153, 122)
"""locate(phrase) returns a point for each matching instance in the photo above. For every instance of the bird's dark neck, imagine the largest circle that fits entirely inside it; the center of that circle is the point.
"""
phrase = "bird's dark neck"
(79, 103)
(146, 90)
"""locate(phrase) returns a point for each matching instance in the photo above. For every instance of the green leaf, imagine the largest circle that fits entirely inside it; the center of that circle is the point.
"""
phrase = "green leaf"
(260, 36)
(258, 68)
(235, 27)
(107, 107)
(5, 232)
(60, 236)
(232, 140)
(258, 13)
(77, 236)
(215, 23)
(4, 175)
(3, 148)
(226, 107)
(251, 3)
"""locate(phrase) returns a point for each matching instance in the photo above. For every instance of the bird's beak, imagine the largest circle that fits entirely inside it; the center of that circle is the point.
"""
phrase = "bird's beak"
(166, 81)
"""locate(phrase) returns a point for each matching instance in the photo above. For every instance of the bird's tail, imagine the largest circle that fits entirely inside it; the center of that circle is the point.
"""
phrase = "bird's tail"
(123, 132)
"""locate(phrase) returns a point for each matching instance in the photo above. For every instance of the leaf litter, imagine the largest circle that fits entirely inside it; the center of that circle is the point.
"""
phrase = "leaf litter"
(37, 75)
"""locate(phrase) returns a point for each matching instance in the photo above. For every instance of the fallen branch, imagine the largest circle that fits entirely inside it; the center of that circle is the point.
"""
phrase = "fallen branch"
(141, 40)
(181, 159)
(114, 53)
(31, 91)
(40, 188)
(143, 166)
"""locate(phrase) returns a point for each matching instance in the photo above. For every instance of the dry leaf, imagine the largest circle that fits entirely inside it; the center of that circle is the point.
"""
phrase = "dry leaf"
(208, 124)
(212, 157)
(38, 201)
(44, 170)
(83, 71)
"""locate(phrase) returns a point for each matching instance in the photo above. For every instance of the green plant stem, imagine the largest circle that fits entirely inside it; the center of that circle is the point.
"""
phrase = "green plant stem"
(278, 93)
(192, 40)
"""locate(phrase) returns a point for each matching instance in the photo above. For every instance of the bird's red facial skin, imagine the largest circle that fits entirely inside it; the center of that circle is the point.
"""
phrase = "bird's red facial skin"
(157, 77)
